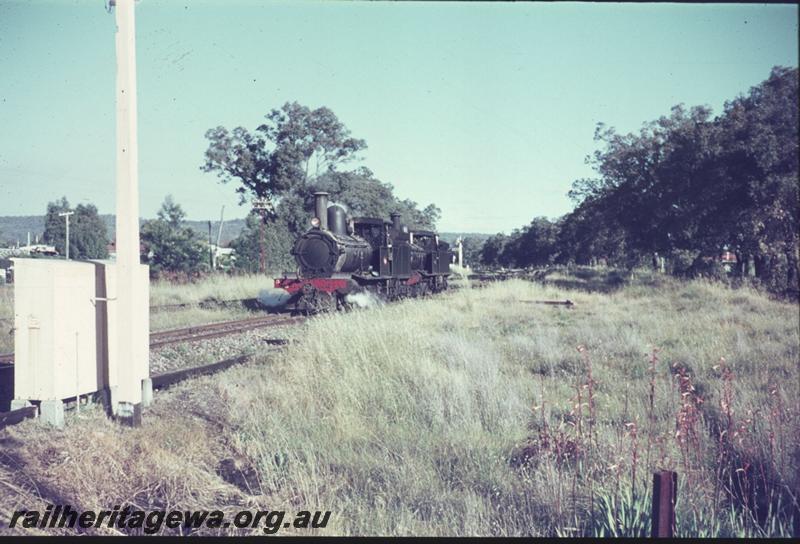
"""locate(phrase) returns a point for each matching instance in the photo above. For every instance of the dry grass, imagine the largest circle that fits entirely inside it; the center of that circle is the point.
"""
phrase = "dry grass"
(211, 288)
(475, 414)
(6, 301)
(171, 462)
(6, 318)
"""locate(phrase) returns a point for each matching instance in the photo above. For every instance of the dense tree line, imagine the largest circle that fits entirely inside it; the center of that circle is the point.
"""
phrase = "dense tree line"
(88, 238)
(294, 153)
(685, 186)
(168, 245)
(171, 248)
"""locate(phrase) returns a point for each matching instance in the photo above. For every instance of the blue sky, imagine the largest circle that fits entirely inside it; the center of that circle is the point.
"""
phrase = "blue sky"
(486, 109)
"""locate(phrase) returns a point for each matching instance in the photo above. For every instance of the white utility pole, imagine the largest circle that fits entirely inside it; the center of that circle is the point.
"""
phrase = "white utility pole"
(65, 215)
(219, 235)
(129, 289)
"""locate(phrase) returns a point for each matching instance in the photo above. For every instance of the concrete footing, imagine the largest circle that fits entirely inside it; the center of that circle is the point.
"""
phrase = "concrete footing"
(147, 392)
(129, 414)
(52, 412)
(113, 404)
(16, 404)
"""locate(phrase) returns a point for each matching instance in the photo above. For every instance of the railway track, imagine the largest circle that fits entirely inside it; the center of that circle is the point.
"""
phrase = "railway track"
(206, 304)
(217, 330)
(204, 332)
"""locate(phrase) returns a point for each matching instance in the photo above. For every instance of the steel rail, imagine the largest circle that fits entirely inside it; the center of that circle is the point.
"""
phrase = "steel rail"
(217, 330)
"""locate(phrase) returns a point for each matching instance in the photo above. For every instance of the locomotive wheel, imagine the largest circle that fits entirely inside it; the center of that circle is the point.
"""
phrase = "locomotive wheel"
(321, 302)
(423, 289)
(314, 301)
(342, 304)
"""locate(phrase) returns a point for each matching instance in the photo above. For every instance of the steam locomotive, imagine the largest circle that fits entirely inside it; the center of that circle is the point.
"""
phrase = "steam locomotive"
(343, 260)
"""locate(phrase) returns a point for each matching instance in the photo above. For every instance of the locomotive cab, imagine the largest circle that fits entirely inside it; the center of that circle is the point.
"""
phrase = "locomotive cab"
(376, 232)
(437, 253)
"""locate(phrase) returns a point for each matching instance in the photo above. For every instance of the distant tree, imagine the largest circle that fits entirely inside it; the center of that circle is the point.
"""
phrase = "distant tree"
(536, 244)
(493, 250)
(54, 225)
(760, 152)
(298, 151)
(87, 231)
(293, 147)
(169, 246)
(588, 232)
(471, 248)
(90, 238)
(365, 195)
(277, 246)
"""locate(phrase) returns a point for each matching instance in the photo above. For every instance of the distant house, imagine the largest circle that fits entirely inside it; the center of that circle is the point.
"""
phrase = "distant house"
(41, 249)
(33, 250)
(24, 251)
(223, 256)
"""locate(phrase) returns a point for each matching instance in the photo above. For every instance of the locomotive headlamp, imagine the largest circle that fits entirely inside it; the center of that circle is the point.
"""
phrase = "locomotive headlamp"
(315, 222)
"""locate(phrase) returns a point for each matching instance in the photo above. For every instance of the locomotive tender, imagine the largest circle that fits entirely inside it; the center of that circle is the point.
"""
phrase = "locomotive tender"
(339, 257)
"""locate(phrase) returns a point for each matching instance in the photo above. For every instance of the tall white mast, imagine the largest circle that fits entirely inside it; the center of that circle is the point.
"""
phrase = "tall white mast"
(129, 290)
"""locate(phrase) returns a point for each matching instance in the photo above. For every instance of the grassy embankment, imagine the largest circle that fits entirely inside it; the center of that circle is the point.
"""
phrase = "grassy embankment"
(475, 413)
(212, 289)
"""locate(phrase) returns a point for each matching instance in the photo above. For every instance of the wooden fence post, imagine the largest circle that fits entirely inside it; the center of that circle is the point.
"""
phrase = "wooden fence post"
(665, 491)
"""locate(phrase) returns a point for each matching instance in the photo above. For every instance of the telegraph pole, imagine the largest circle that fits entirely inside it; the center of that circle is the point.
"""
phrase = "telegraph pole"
(210, 249)
(261, 206)
(65, 215)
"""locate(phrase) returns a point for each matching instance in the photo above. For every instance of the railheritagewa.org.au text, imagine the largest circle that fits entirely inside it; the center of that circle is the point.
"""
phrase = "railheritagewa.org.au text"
(153, 521)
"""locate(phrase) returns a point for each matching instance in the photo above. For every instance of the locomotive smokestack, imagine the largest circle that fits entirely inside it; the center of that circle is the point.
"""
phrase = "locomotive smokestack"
(321, 209)
(395, 220)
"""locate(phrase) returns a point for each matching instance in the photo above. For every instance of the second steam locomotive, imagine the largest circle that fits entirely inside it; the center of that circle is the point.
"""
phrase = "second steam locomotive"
(341, 259)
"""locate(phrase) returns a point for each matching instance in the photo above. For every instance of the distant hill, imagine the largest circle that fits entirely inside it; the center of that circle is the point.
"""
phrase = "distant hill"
(230, 229)
(16, 228)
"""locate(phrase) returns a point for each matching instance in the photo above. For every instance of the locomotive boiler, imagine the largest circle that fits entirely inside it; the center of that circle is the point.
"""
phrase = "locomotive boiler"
(340, 257)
